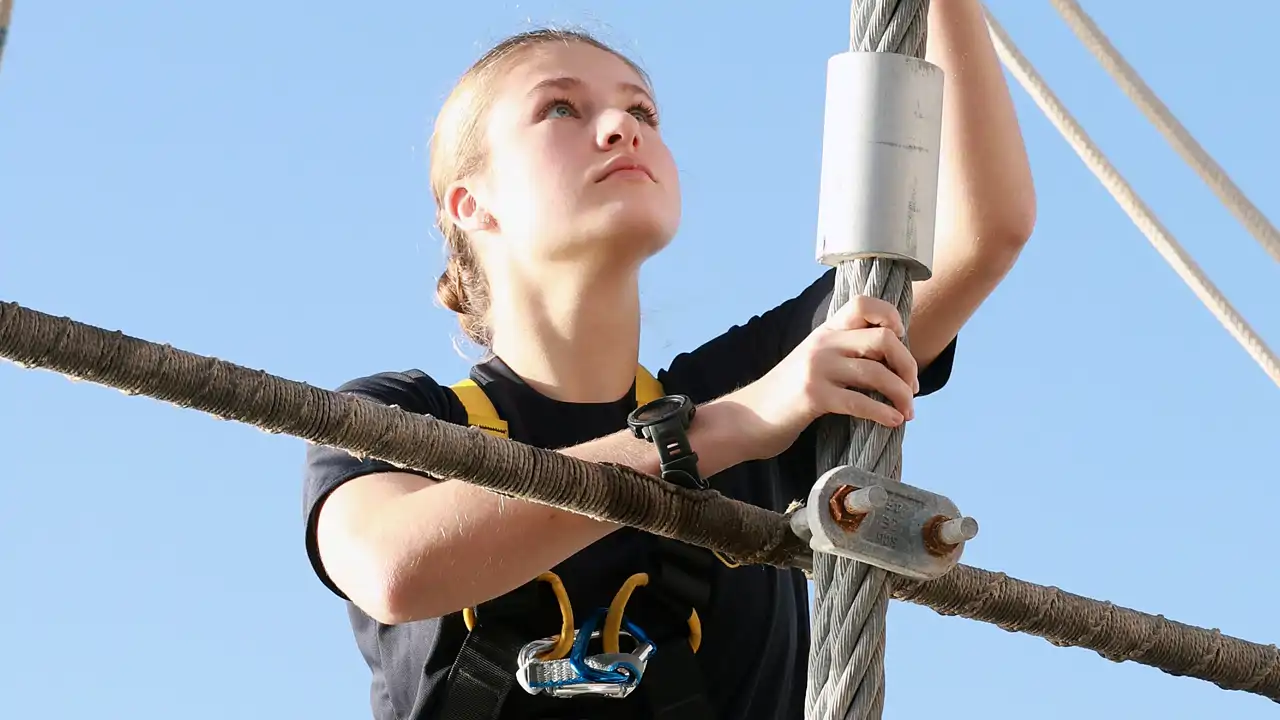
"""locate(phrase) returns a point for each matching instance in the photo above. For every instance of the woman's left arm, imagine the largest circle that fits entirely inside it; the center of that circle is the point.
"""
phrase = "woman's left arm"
(986, 200)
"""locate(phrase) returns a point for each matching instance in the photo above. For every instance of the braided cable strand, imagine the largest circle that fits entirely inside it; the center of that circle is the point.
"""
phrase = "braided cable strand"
(1231, 196)
(1142, 215)
(851, 599)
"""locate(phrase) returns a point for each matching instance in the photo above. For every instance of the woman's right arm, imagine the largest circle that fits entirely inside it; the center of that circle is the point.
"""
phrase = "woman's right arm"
(403, 547)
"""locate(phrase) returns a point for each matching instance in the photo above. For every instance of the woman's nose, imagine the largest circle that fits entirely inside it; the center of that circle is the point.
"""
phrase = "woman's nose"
(617, 128)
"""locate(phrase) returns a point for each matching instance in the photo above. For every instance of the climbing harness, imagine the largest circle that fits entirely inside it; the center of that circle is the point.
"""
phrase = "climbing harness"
(555, 650)
(483, 415)
(612, 652)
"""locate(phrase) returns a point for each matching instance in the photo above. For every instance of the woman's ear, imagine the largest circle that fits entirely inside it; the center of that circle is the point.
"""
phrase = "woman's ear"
(465, 211)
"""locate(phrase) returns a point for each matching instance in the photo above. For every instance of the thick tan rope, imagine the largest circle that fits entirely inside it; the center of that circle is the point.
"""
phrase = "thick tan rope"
(1116, 633)
(1142, 216)
(741, 531)
(368, 429)
(1231, 196)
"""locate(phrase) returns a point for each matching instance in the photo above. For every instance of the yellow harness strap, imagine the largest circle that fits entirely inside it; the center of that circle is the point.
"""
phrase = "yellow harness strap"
(482, 414)
(480, 410)
(648, 388)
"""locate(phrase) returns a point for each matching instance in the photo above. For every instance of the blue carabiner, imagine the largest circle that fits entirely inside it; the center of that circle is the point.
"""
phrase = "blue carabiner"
(618, 673)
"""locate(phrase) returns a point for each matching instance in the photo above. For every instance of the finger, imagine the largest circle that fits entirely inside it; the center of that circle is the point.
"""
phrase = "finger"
(881, 345)
(865, 374)
(859, 405)
(863, 312)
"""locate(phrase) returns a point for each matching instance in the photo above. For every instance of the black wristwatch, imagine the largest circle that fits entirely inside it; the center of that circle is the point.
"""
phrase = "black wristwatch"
(665, 422)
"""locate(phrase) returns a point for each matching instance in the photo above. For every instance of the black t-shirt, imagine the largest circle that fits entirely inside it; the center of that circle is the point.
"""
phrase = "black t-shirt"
(755, 631)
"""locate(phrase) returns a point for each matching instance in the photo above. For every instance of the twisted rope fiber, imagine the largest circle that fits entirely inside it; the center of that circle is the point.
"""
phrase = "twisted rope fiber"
(369, 429)
(1131, 83)
(1116, 633)
(740, 531)
(1141, 215)
(851, 599)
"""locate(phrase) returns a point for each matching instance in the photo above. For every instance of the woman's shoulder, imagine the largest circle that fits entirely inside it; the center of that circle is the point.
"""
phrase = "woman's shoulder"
(747, 350)
(412, 390)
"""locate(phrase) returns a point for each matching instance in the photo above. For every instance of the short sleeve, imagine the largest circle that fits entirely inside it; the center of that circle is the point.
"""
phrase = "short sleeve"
(935, 375)
(327, 468)
(744, 353)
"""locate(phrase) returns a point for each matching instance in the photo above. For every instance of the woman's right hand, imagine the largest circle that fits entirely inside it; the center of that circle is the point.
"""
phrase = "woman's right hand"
(860, 348)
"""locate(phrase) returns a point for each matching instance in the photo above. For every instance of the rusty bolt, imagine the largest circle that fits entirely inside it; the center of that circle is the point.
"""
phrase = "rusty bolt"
(850, 504)
(942, 534)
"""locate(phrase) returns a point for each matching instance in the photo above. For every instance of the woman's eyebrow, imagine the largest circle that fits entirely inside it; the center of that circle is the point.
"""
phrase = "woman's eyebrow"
(571, 83)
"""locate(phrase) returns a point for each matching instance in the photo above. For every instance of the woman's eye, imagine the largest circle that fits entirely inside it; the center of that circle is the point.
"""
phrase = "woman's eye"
(561, 110)
(645, 114)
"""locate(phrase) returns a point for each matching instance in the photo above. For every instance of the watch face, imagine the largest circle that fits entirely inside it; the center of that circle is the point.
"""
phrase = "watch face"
(657, 410)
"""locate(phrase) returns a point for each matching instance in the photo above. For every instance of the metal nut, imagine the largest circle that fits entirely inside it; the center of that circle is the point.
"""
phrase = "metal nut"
(942, 535)
(849, 504)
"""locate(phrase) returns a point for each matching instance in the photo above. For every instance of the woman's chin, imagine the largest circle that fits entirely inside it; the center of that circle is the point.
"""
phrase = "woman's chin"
(638, 239)
(620, 233)
(635, 223)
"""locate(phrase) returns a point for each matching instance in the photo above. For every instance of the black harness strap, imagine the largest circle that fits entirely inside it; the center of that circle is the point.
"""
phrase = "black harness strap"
(481, 676)
(484, 672)
(679, 581)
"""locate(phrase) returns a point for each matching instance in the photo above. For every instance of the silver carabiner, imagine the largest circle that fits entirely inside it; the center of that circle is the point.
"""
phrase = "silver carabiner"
(559, 678)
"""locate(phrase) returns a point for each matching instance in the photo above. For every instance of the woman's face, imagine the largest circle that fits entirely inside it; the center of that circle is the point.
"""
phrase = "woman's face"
(576, 169)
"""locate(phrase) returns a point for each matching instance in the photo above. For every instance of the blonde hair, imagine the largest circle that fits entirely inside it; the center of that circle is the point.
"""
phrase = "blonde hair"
(457, 151)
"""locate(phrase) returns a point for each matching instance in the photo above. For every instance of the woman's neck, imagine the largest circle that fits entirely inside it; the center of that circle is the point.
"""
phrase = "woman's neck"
(575, 339)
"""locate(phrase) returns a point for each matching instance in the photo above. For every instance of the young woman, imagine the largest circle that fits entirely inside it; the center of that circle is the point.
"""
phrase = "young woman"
(553, 187)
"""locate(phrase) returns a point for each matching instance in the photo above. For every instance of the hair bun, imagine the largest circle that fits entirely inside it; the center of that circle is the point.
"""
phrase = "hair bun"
(450, 289)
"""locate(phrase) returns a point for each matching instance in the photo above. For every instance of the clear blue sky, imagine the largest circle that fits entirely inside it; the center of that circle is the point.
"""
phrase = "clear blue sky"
(248, 180)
